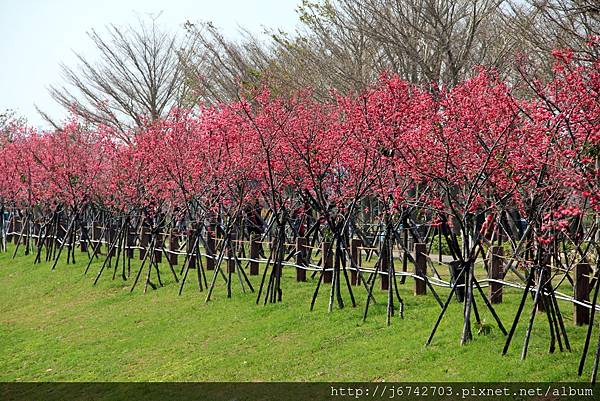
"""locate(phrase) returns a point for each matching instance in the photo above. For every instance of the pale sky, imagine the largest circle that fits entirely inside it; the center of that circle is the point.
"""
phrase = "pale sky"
(36, 35)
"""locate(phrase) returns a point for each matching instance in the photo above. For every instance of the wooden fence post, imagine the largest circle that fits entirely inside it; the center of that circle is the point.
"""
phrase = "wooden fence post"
(495, 273)
(96, 240)
(254, 255)
(17, 229)
(144, 242)
(355, 245)
(83, 239)
(37, 230)
(327, 261)
(458, 277)
(159, 243)
(581, 291)
(173, 246)
(301, 258)
(210, 250)
(420, 268)
(130, 244)
(111, 234)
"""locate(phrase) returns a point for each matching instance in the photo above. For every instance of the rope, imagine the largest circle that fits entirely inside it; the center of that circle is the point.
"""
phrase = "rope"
(485, 282)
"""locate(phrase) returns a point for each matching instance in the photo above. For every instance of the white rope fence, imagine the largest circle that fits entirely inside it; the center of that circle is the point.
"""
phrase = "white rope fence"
(436, 281)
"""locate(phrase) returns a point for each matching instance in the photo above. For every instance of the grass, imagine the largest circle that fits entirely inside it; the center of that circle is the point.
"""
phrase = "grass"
(56, 326)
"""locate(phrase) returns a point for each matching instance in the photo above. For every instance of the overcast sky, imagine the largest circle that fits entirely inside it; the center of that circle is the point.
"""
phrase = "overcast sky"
(36, 35)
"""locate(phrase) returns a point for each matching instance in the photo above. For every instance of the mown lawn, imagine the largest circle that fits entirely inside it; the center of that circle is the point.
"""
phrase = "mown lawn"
(56, 326)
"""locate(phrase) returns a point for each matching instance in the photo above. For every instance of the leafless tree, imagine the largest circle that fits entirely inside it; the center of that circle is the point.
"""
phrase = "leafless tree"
(543, 25)
(346, 44)
(342, 44)
(137, 76)
(217, 68)
(423, 40)
(329, 51)
(10, 125)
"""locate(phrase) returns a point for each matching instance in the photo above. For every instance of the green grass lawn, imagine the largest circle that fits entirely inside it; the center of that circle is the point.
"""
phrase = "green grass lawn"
(55, 326)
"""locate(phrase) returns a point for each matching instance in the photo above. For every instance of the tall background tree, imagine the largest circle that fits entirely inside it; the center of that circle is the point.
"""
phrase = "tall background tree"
(346, 44)
(136, 75)
(544, 25)
(10, 125)
(142, 71)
